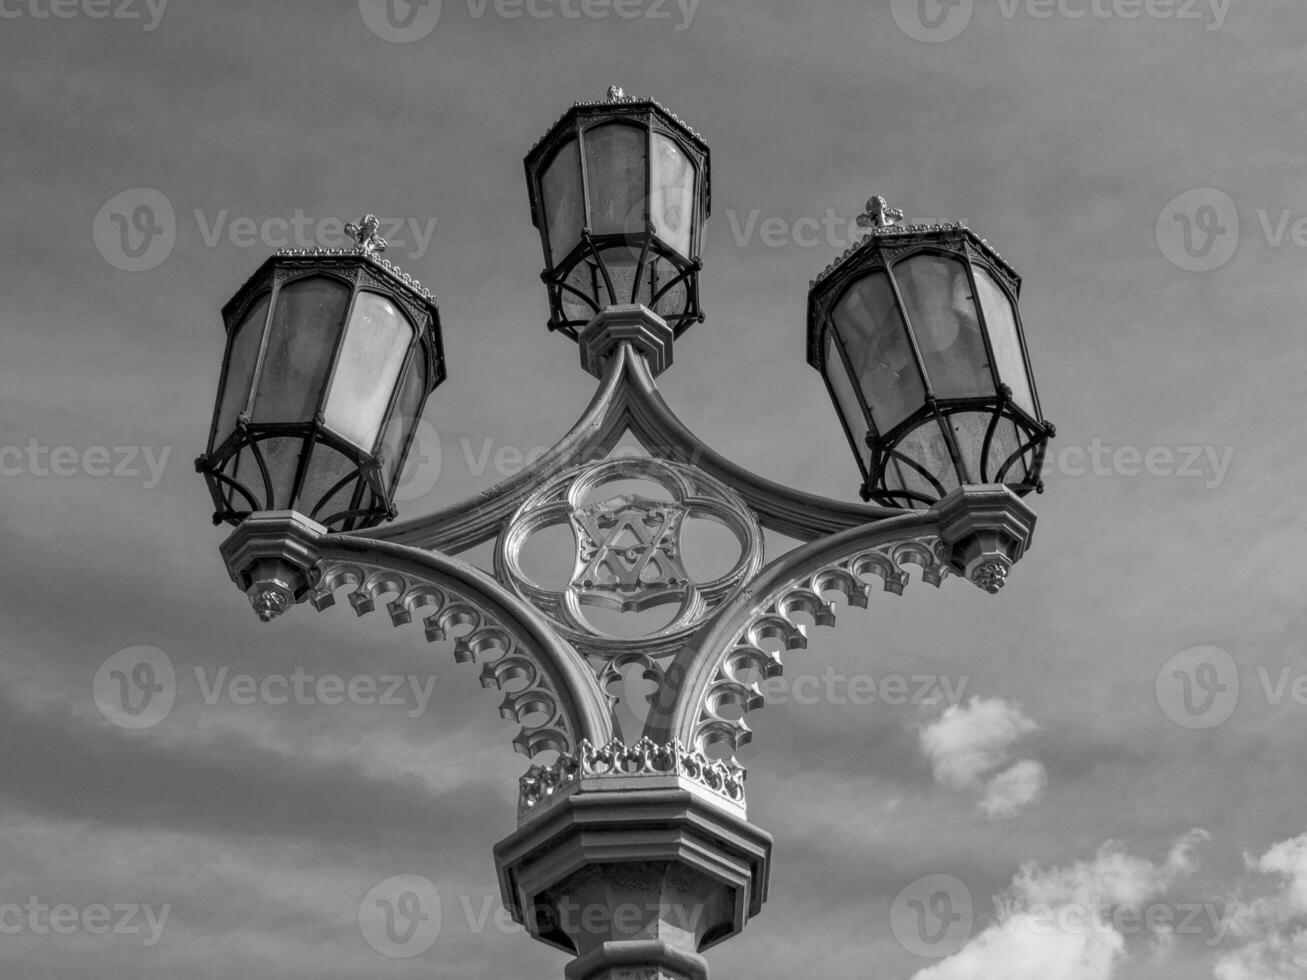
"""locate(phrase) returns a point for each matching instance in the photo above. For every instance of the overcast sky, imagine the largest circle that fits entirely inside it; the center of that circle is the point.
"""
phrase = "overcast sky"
(1121, 729)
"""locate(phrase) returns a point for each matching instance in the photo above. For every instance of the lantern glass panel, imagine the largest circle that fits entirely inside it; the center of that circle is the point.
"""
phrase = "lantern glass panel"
(970, 430)
(615, 168)
(240, 368)
(564, 202)
(671, 199)
(376, 339)
(926, 447)
(413, 390)
(868, 321)
(1000, 318)
(846, 399)
(942, 314)
(327, 468)
(305, 326)
(281, 456)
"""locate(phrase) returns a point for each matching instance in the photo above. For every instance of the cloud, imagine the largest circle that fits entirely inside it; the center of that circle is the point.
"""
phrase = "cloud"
(968, 743)
(1024, 948)
(1015, 789)
(1273, 927)
(1055, 925)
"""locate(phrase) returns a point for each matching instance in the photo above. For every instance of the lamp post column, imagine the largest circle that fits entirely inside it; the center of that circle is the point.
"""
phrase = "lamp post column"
(632, 860)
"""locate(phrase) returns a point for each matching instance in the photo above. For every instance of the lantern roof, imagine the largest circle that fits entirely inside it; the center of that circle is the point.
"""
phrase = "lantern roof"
(365, 252)
(618, 103)
(886, 235)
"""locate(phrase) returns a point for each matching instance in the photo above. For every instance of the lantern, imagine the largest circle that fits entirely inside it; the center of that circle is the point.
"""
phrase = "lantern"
(331, 354)
(619, 191)
(917, 333)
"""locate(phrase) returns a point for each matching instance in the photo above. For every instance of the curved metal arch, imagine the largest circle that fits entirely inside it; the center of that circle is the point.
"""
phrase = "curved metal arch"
(706, 675)
(519, 643)
(628, 400)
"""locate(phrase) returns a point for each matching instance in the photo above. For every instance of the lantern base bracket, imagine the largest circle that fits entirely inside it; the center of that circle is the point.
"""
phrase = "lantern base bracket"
(636, 325)
(272, 557)
(987, 529)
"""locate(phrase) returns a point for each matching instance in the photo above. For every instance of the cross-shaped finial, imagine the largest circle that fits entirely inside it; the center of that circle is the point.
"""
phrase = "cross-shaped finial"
(615, 93)
(879, 214)
(364, 232)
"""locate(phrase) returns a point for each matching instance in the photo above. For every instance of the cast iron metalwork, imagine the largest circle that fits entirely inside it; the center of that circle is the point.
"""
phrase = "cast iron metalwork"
(986, 437)
(629, 258)
(256, 464)
(649, 802)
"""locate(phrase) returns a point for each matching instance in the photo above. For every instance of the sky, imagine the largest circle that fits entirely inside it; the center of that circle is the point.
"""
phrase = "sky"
(1095, 775)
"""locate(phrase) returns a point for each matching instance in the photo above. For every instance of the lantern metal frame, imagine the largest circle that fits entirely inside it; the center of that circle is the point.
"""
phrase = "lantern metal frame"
(652, 118)
(886, 247)
(361, 271)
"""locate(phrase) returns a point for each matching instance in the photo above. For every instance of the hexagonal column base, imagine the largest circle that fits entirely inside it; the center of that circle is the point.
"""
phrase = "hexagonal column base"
(988, 528)
(637, 882)
(271, 556)
(638, 326)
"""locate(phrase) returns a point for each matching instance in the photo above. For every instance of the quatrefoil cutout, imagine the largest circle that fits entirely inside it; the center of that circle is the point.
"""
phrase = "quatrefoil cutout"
(629, 555)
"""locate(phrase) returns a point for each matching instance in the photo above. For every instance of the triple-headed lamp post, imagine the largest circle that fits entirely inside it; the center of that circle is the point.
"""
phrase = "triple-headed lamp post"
(330, 357)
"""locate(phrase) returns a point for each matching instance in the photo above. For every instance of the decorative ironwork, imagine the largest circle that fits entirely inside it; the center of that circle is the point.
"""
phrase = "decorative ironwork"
(779, 621)
(541, 786)
(628, 549)
(364, 233)
(879, 214)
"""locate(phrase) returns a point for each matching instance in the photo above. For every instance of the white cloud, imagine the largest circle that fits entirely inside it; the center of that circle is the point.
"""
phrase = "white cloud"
(1026, 948)
(1056, 925)
(968, 743)
(1015, 789)
(1273, 927)
(1112, 877)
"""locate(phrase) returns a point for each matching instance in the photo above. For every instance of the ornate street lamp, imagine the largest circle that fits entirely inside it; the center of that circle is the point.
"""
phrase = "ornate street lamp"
(619, 191)
(330, 358)
(331, 354)
(917, 333)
